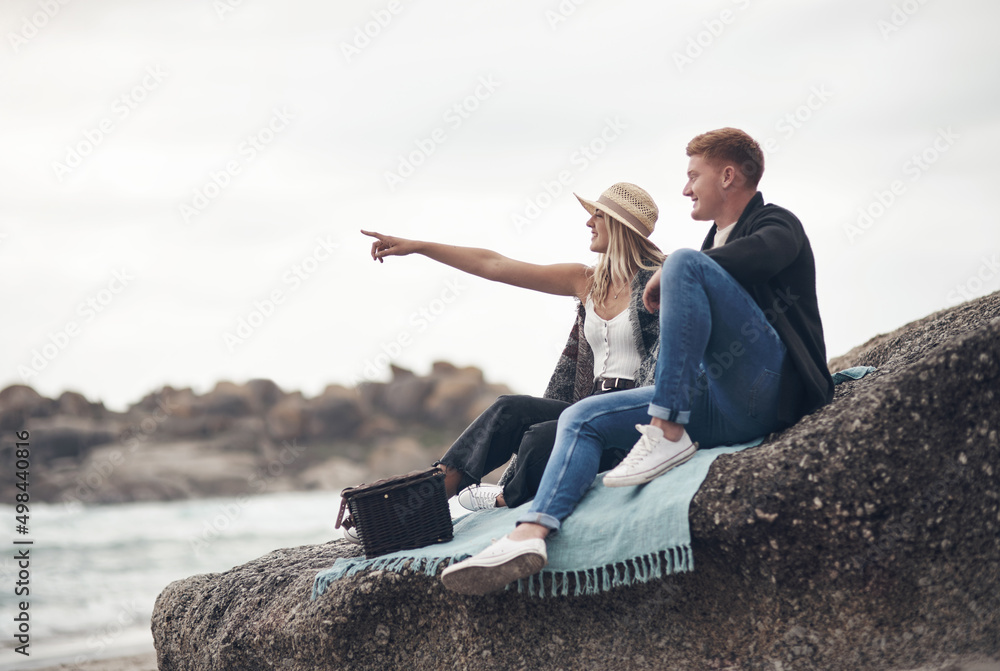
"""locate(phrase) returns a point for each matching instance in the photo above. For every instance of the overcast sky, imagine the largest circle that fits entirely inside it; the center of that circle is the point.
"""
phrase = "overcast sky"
(182, 183)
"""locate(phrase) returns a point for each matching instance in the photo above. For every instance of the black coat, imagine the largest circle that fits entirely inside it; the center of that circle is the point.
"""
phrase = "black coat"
(769, 254)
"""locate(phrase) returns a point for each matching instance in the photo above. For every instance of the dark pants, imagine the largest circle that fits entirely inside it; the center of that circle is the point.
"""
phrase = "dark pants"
(521, 425)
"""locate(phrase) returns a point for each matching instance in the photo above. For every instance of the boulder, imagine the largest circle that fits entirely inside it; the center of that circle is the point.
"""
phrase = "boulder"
(167, 401)
(227, 399)
(867, 536)
(336, 413)
(377, 426)
(164, 472)
(22, 397)
(200, 425)
(263, 394)
(404, 398)
(256, 397)
(398, 455)
(69, 438)
(334, 475)
(487, 395)
(73, 404)
(456, 389)
(286, 420)
(20, 402)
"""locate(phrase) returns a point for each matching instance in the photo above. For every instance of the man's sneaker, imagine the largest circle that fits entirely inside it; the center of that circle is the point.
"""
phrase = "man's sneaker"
(479, 497)
(651, 457)
(497, 566)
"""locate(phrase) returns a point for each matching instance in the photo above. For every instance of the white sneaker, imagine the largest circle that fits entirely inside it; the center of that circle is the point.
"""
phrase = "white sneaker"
(479, 497)
(497, 566)
(651, 457)
(351, 535)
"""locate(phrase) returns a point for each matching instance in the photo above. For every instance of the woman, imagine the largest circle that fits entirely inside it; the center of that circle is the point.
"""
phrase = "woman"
(612, 345)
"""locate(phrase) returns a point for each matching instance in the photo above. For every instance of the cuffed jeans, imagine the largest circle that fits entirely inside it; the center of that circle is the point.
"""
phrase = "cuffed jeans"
(719, 371)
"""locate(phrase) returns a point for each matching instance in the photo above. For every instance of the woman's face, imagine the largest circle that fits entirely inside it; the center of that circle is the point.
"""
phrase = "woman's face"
(598, 233)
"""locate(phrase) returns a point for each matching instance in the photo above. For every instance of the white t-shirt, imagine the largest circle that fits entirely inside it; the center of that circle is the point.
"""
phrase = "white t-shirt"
(722, 235)
(615, 353)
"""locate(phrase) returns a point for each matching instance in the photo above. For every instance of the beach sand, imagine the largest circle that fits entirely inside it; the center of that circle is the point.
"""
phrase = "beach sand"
(143, 662)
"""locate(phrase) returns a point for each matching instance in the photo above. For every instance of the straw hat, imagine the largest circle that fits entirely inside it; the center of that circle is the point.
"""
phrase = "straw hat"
(628, 204)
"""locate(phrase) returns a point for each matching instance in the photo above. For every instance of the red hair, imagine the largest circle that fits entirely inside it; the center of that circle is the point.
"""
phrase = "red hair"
(731, 146)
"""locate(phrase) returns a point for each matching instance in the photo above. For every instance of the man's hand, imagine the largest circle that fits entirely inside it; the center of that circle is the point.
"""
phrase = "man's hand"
(386, 245)
(651, 294)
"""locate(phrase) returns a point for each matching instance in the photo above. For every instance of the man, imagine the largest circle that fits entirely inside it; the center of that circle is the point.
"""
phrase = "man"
(741, 355)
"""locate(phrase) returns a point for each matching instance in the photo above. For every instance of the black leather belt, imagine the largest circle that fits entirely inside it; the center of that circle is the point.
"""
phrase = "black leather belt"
(605, 384)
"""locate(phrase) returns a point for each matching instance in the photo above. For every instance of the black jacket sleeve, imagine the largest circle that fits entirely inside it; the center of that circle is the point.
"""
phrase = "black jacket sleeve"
(770, 246)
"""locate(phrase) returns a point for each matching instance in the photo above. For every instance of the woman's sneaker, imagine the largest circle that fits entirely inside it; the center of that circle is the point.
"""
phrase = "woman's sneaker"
(500, 564)
(479, 497)
(351, 535)
(651, 457)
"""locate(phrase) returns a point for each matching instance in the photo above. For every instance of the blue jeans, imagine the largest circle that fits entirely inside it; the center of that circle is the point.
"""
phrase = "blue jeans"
(718, 373)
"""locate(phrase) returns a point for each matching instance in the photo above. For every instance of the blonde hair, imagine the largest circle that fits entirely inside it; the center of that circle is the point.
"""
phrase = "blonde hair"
(627, 253)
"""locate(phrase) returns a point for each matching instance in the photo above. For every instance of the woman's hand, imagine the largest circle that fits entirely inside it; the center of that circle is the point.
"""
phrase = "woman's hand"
(651, 294)
(386, 245)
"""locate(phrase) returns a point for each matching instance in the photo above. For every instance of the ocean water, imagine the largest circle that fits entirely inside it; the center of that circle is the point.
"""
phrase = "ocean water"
(96, 571)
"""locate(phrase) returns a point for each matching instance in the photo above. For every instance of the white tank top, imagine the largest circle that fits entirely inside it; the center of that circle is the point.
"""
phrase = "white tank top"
(615, 353)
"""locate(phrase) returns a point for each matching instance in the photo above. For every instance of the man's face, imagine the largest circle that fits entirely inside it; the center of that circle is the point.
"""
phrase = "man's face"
(704, 188)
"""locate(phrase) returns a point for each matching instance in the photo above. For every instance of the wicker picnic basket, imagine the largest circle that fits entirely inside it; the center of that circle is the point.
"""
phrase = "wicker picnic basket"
(398, 513)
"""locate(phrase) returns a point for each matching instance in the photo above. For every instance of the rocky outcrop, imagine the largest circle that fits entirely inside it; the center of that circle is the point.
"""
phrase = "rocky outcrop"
(865, 537)
(240, 438)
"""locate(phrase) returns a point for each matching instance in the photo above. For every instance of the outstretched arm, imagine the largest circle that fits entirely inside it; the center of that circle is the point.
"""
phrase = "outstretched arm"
(561, 279)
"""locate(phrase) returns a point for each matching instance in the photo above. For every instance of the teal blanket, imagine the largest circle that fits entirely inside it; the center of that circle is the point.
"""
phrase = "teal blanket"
(616, 536)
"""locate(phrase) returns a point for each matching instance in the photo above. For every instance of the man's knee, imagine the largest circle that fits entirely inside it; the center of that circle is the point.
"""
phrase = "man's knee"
(682, 262)
(683, 256)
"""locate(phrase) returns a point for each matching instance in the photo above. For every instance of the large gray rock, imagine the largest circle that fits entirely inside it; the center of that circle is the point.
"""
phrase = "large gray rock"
(335, 414)
(865, 537)
(20, 402)
(84, 453)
